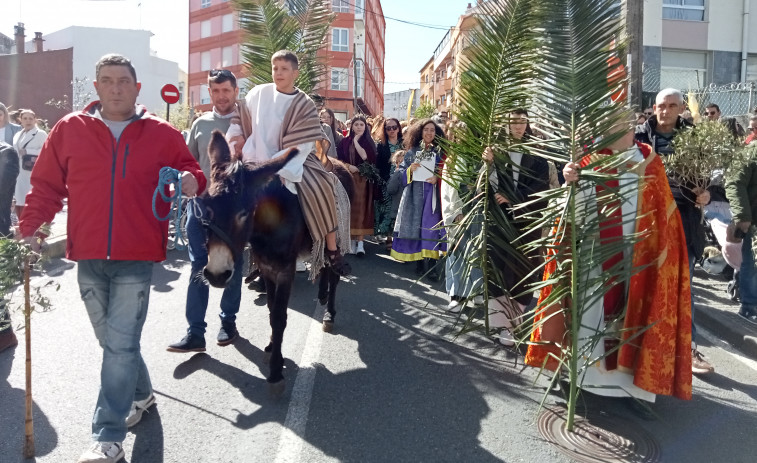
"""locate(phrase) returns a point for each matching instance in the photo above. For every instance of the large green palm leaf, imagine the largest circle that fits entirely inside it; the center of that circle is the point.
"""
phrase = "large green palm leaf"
(554, 59)
(301, 26)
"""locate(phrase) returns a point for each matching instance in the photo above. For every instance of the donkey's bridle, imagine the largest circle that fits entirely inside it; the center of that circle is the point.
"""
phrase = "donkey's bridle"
(213, 228)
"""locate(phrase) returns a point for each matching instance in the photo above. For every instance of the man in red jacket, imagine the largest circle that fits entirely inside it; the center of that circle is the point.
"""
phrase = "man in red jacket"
(106, 160)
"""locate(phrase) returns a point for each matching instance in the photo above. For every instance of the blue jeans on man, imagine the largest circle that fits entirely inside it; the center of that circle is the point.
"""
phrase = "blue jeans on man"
(748, 278)
(116, 295)
(198, 290)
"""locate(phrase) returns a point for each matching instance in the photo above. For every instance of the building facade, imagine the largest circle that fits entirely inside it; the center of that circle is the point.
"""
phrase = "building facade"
(354, 53)
(60, 68)
(402, 105)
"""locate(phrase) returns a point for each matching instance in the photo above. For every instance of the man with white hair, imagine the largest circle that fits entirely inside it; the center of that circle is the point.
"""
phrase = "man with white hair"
(659, 132)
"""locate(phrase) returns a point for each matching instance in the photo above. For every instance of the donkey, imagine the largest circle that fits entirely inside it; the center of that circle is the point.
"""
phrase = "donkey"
(247, 203)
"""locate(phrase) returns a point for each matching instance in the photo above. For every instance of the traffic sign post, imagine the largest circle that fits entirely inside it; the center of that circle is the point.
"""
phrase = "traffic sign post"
(170, 95)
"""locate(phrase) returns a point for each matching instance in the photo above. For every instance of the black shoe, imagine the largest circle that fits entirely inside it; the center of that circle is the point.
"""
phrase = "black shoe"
(190, 343)
(227, 334)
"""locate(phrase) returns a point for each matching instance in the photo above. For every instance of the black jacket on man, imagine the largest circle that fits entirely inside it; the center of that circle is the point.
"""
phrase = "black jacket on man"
(691, 216)
(8, 173)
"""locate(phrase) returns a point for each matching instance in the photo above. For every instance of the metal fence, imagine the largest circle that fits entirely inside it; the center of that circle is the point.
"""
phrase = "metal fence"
(734, 100)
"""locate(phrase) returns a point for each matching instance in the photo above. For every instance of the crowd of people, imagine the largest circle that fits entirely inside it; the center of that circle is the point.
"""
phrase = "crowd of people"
(401, 197)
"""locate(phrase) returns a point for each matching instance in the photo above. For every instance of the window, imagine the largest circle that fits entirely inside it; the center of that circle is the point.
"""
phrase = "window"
(359, 8)
(205, 29)
(340, 38)
(340, 79)
(205, 4)
(205, 61)
(683, 70)
(340, 6)
(226, 54)
(227, 23)
(205, 100)
(751, 68)
(689, 10)
(359, 77)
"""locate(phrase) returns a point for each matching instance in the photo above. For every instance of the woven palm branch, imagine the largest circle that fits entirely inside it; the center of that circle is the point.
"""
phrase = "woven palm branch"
(299, 25)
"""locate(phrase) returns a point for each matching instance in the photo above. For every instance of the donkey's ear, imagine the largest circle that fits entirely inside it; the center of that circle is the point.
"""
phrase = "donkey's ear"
(218, 151)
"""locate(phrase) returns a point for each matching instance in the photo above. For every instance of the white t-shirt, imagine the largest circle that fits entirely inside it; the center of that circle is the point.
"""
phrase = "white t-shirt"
(267, 108)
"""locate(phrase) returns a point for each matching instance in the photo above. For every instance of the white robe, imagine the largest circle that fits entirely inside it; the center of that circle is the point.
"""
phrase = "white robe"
(267, 109)
(597, 379)
(33, 141)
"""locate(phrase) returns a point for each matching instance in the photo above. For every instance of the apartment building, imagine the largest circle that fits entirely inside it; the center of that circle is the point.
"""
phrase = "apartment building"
(689, 44)
(440, 76)
(354, 53)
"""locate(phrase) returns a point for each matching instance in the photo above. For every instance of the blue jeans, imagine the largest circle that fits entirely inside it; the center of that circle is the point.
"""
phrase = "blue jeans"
(116, 295)
(748, 277)
(198, 290)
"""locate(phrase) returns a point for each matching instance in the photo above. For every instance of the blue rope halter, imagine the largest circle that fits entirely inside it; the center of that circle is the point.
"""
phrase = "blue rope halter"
(170, 176)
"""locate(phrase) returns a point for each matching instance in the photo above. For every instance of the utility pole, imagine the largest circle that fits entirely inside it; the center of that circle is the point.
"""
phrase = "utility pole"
(634, 22)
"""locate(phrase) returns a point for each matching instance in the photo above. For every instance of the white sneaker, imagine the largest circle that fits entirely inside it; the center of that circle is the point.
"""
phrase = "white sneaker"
(478, 300)
(301, 267)
(138, 407)
(455, 306)
(103, 452)
(506, 338)
(353, 245)
(360, 249)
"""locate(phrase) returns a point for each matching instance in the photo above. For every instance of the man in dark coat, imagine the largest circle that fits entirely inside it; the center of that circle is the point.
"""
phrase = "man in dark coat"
(8, 173)
(659, 132)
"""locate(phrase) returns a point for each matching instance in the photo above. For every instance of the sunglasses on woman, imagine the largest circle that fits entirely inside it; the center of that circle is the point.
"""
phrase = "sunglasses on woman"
(391, 127)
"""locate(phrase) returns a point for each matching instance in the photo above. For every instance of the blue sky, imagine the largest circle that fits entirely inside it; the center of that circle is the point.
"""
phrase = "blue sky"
(408, 47)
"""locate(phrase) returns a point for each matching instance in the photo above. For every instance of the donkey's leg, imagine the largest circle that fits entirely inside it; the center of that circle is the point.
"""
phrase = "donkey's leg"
(277, 305)
(270, 288)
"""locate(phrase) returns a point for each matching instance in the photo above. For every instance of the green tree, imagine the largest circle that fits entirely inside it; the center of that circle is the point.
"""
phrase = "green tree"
(301, 26)
(424, 110)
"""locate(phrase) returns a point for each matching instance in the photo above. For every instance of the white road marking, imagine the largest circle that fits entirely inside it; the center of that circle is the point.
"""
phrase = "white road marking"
(715, 341)
(295, 423)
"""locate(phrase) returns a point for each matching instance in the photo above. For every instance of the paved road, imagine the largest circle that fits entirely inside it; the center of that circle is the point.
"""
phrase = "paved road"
(392, 383)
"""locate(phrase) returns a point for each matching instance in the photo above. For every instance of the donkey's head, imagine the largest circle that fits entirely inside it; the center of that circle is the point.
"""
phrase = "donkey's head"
(230, 202)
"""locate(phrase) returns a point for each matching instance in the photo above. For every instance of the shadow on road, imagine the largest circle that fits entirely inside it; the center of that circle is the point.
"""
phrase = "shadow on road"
(13, 415)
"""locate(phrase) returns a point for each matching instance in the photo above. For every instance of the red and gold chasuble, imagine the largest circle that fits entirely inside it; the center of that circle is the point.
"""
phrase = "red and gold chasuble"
(659, 295)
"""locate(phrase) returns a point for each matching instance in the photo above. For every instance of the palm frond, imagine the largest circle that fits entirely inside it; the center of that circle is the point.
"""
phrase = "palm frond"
(301, 26)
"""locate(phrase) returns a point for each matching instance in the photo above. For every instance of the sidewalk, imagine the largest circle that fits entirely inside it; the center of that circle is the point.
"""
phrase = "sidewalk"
(715, 312)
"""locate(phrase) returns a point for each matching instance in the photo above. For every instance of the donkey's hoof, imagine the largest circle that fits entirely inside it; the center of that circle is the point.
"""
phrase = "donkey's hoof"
(328, 326)
(277, 389)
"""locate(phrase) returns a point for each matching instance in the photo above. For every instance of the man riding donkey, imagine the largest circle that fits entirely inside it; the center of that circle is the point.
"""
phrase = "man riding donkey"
(283, 117)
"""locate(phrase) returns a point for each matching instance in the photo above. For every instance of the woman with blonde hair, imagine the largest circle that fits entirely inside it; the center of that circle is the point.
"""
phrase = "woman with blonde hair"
(28, 143)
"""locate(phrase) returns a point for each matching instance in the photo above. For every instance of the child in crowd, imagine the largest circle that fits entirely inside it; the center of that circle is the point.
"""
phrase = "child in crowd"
(394, 189)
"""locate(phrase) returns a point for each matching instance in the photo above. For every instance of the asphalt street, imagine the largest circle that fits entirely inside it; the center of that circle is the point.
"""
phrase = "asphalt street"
(392, 383)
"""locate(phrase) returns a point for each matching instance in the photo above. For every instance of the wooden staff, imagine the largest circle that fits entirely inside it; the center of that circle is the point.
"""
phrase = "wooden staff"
(29, 437)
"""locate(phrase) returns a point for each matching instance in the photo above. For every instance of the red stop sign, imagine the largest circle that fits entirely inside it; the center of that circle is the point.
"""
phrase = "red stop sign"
(170, 94)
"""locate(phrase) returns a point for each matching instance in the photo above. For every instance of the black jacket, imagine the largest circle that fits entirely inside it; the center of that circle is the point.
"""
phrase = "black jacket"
(9, 169)
(691, 216)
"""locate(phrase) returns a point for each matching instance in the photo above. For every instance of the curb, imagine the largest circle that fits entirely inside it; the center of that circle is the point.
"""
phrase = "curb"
(729, 327)
(55, 248)
(719, 315)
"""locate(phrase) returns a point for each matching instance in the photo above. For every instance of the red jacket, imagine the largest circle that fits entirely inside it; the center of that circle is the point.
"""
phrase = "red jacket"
(109, 185)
